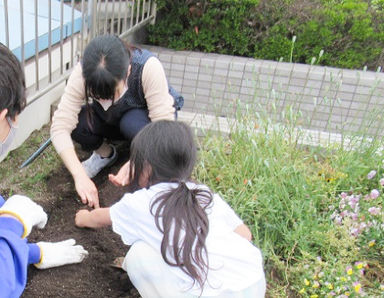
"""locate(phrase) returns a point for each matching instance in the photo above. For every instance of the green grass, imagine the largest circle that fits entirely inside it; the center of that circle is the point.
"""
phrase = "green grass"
(284, 191)
(30, 180)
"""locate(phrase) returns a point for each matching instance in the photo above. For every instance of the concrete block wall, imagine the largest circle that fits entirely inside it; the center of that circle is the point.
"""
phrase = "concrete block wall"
(329, 99)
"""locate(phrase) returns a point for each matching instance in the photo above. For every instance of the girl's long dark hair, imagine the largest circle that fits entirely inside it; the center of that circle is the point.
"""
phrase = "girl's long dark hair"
(167, 151)
(105, 62)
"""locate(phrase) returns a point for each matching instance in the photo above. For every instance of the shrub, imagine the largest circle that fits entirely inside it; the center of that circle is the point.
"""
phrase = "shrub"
(350, 32)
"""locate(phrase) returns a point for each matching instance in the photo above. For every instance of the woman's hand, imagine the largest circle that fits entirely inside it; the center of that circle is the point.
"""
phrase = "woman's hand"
(87, 191)
(122, 177)
(85, 187)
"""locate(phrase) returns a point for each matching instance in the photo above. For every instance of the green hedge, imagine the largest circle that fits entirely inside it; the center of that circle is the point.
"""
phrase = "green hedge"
(350, 32)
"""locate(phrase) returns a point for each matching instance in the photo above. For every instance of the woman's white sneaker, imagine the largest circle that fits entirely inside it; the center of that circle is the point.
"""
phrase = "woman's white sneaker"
(95, 163)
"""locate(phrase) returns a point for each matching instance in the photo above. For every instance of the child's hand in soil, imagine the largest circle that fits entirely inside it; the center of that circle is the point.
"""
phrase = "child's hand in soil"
(81, 218)
(96, 218)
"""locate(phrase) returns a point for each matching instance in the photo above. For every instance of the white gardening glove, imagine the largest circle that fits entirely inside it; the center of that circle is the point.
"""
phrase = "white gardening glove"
(26, 211)
(54, 254)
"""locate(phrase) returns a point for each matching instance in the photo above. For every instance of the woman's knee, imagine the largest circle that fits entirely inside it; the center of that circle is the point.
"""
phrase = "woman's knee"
(132, 122)
(84, 133)
(86, 139)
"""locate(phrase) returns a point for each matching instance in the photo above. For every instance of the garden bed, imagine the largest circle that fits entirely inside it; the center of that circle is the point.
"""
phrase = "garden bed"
(94, 277)
(315, 213)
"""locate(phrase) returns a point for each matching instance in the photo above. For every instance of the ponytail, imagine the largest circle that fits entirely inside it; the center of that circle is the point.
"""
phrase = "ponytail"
(180, 215)
(166, 150)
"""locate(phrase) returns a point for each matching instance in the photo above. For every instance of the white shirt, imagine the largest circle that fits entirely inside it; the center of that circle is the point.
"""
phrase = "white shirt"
(234, 262)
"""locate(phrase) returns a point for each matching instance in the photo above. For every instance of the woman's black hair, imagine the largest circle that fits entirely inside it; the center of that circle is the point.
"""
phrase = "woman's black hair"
(105, 62)
(167, 152)
(12, 83)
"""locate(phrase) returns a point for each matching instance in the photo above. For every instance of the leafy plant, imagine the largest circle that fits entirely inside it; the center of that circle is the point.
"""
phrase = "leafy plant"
(290, 197)
(350, 32)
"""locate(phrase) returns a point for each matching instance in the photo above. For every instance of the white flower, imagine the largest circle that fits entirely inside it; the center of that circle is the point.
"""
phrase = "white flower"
(371, 174)
(338, 220)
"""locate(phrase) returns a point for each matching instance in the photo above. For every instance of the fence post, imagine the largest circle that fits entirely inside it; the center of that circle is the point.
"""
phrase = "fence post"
(92, 13)
(153, 11)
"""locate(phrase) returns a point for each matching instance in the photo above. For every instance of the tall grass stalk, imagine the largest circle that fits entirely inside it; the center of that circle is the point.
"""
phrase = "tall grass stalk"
(283, 192)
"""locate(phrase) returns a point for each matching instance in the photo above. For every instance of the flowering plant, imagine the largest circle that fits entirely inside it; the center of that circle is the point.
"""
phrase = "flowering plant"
(334, 280)
(363, 216)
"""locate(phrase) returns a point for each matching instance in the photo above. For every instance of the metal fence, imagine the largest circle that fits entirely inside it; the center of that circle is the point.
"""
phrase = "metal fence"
(48, 36)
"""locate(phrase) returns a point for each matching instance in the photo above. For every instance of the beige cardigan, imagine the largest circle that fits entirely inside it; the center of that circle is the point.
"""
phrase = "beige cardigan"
(65, 119)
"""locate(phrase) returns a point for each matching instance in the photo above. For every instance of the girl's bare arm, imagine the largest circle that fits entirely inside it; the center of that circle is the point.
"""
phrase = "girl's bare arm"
(244, 231)
(97, 218)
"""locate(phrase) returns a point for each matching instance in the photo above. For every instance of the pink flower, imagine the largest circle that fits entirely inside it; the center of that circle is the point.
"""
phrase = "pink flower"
(354, 216)
(353, 201)
(362, 226)
(374, 210)
(382, 181)
(343, 213)
(371, 174)
(374, 194)
(355, 232)
(344, 194)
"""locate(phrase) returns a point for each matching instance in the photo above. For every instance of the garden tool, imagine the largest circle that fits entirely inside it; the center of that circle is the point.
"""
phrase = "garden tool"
(118, 263)
(36, 154)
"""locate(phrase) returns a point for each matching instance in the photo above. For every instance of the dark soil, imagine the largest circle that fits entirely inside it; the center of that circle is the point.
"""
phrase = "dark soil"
(94, 277)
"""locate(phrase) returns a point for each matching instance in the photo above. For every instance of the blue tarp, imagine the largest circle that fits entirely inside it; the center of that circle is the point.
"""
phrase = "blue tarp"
(29, 25)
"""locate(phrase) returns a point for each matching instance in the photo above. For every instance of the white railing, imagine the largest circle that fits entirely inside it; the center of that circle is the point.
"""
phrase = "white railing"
(48, 36)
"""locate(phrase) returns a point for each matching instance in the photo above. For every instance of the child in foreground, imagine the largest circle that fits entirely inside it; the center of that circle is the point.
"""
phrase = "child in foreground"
(185, 240)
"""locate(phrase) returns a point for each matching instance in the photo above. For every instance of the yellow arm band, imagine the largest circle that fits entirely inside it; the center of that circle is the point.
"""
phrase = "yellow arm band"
(41, 256)
(18, 218)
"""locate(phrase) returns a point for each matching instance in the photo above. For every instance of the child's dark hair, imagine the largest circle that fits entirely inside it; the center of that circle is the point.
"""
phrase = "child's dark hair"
(167, 151)
(12, 83)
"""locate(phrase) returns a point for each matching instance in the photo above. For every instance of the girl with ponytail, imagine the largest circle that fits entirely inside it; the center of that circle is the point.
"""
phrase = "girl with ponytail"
(185, 240)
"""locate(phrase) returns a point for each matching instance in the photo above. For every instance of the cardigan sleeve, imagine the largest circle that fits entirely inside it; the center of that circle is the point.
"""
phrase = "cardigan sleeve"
(65, 117)
(156, 91)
